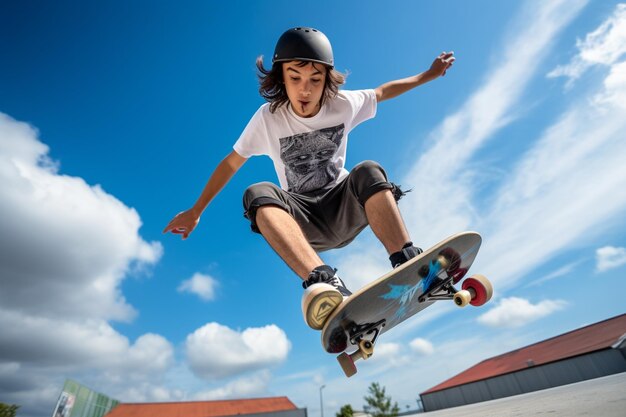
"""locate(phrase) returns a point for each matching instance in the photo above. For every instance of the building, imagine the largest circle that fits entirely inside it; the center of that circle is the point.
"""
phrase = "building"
(590, 352)
(76, 400)
(259, 407)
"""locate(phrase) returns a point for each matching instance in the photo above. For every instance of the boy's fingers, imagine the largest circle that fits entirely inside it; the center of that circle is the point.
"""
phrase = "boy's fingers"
(175, 230)
(446, 57)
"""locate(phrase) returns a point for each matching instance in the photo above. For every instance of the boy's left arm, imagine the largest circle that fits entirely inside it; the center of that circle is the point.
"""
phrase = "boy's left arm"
(394, 88)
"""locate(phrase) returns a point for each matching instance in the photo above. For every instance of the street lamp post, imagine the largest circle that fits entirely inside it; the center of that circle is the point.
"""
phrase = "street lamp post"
(322, 400)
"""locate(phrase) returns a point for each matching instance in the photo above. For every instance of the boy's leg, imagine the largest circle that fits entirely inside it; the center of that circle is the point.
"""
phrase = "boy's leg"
(324, 290)
(285, 236)
(386, 221)
(368, 194)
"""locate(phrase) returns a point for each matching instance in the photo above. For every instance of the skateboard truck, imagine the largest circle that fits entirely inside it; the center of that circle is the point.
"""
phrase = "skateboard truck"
(365, 349)
(443, 288)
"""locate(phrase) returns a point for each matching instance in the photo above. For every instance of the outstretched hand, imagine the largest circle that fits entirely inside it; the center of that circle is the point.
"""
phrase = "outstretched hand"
(183, 223)
(441, 64)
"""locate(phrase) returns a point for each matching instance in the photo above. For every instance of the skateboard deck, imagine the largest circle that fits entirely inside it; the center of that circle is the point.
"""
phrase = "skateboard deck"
(401, 293)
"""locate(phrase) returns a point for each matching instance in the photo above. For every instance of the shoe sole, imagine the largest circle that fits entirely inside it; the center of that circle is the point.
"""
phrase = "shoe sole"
(320, 304)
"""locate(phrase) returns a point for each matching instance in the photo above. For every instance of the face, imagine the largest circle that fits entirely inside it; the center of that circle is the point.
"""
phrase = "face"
(305, 86)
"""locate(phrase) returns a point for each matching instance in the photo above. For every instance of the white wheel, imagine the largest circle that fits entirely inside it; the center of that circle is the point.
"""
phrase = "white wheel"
(462, 298)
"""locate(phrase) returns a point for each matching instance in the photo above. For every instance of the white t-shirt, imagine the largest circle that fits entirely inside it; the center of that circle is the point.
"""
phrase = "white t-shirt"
(308, 153)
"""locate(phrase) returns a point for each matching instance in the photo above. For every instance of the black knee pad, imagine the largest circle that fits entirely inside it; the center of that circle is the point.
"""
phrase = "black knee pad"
(368, 178)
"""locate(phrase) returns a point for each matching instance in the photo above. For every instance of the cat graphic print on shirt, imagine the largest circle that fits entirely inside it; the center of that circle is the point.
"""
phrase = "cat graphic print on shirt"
(307, 158)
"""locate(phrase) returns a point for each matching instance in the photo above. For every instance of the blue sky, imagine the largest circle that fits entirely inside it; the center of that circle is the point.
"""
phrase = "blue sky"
(113, 116)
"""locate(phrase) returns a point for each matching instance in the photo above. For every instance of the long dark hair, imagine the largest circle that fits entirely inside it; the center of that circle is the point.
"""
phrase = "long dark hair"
(272, 86)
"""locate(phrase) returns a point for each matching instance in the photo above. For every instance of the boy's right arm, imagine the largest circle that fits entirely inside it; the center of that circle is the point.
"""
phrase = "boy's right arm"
(184, 222)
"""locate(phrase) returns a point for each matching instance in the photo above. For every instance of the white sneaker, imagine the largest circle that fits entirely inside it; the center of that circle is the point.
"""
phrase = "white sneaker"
(325, 291)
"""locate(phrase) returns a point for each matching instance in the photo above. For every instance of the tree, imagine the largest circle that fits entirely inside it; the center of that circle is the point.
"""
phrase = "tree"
(346, 411)
(378, 404)
(8, 410)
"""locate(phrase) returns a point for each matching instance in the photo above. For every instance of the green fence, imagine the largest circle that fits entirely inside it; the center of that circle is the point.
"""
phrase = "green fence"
(79, 401)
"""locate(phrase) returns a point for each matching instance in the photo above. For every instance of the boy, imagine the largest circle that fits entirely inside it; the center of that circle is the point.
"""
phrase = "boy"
(319, 205)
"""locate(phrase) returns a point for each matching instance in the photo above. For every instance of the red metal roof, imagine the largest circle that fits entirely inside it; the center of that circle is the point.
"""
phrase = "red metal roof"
(203, 408)
(578, 342)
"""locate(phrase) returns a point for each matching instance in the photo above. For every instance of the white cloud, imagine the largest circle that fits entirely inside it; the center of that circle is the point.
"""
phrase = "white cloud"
(604, 46)
(385, 350)
(43, 352)
(150, 351)
(87, 344)
(614, 88)
(391, 354)
(564, 270)
(216, 351)
(66, 248)
(202, 285)
(71, 243)
(254, 385)
(517, 312)
(610, 257)
(422, 347)
(139, 391)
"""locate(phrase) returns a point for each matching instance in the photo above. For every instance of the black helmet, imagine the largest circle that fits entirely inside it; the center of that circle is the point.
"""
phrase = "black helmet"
(304, 44)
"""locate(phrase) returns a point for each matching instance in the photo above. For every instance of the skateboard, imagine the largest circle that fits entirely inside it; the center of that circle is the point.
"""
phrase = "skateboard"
(378, 307)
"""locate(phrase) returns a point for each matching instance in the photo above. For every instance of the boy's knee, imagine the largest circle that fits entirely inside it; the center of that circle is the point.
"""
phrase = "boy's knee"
(259, 195)
(369, 169)
(368, 178)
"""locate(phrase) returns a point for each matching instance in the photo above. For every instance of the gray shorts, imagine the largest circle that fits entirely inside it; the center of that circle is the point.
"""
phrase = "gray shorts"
(331, 217)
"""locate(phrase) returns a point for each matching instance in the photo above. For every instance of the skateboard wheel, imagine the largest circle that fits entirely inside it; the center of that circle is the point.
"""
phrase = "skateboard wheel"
(347, 364)
(480, 289)
(453, 258)
(444, 263)
(338, 341)
(462, 298)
